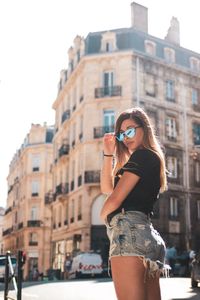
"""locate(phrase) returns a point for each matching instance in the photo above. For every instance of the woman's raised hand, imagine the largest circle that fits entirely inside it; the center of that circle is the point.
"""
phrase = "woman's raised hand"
(109, 143)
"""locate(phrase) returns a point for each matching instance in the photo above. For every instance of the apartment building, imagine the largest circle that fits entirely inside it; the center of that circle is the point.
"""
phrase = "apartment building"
(2, 212)
(27, 219)
(108, 72)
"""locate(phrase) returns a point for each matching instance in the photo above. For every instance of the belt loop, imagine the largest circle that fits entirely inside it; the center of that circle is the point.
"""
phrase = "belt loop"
(123, 211)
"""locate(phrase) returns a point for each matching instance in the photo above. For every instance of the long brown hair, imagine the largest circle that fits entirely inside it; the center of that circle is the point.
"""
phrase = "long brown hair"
(150, 141)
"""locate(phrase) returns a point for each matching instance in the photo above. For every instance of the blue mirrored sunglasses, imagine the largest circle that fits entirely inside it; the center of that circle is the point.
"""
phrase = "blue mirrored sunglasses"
(129, 133)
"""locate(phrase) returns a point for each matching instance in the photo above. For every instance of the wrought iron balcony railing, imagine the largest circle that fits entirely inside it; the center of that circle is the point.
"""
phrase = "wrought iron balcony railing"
(108, 91)
(101, 130)
(33, 223)
(92, 176)
(64, 150)
(65, 115)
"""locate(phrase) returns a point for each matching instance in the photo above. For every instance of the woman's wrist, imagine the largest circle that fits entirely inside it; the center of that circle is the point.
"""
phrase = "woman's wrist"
(108, 154)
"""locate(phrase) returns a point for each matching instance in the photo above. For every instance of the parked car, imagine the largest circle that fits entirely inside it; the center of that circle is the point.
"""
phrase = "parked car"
(2, 266)
(86, 264)
(195, 270)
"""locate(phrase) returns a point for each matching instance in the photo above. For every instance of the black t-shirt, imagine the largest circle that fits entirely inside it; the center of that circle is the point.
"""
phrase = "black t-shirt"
(145, 164)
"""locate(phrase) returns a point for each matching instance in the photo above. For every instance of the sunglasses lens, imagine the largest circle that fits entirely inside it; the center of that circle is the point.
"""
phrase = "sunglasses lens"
(130, 132)
(120, 137)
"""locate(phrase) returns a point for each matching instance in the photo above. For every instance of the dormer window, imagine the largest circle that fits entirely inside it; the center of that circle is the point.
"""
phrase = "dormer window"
(108, 42)
(71, 65)
(150, 47)
(195, 64)
(109, 47)
(169, 55)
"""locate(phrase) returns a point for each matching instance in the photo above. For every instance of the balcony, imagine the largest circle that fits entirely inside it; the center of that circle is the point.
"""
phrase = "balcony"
(9, 209)
(61, 190)
(20, 225)
(65, 116)
(109, 91)
(48, 198)
(100, 131)
(92, 176)
(8, 231)
(33, 243)
(33, 223)
(34, 194)
(64, 150)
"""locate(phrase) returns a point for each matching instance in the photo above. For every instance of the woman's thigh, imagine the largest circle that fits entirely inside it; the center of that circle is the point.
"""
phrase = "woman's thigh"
(128, 273)
(153, 288)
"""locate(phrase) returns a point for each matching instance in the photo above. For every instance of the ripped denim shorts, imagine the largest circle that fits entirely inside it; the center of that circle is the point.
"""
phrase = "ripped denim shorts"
(131, 233)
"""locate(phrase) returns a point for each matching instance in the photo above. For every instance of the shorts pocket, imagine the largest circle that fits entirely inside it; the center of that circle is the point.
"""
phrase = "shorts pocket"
(141, 239)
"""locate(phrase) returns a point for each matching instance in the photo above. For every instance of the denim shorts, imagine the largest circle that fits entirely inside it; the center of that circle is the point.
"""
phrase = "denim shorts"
(131, 233)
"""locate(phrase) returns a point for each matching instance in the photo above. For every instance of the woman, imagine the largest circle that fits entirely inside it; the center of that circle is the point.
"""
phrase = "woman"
(136, 249)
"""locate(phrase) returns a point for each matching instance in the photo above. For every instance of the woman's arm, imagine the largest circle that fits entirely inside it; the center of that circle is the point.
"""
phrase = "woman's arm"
(106, 175)
(106, 171)
(126, 183)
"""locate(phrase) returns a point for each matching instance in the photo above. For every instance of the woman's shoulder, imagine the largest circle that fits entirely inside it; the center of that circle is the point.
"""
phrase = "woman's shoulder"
(144, 154)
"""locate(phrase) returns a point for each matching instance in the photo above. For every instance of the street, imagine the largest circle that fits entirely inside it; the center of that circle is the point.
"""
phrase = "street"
(98, 289)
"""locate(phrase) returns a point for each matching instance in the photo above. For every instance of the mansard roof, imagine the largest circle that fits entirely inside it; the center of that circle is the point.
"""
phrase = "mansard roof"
(132, 39)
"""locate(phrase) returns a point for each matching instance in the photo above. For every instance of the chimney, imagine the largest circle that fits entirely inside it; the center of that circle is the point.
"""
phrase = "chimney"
(173, 33)
(139, 17)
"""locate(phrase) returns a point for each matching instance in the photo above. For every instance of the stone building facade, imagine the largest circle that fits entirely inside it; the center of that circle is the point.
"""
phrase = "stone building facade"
(108, 72)
(27, 220)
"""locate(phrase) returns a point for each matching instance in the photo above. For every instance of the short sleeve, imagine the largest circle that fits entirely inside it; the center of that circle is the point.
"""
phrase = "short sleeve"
(141, 162)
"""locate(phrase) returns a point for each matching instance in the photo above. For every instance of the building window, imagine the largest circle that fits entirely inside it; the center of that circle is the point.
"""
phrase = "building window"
(150, 86)
(73, 134)
(78, 56)
(33, 239)
(35, 188)
(60, 216)
(72, 219)
(170, 93)
(196, 134)
(197, 171)
(198, 209)
(71, 65)
(172, 167)
(66, 221)
(35, 163)
(34, 213)
(194, 64)
(80, 208)
(173, 206)
(169, 55)
(81, 128)
(109, 46)
(150, 47)
(194, 97)
(108, 82)
(171, 131)
(108, 120)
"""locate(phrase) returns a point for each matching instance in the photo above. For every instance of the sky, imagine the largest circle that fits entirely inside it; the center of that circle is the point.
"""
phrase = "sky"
(35, 36)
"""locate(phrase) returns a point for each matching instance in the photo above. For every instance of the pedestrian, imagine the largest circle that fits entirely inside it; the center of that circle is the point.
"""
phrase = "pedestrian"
(132, 182)
(171, 257)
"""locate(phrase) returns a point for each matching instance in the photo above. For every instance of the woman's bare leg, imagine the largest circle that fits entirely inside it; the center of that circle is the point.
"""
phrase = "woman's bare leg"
(153, 289)
(128, 273)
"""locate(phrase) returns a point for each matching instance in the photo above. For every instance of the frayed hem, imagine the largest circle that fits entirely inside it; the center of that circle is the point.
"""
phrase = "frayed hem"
(153, 269)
